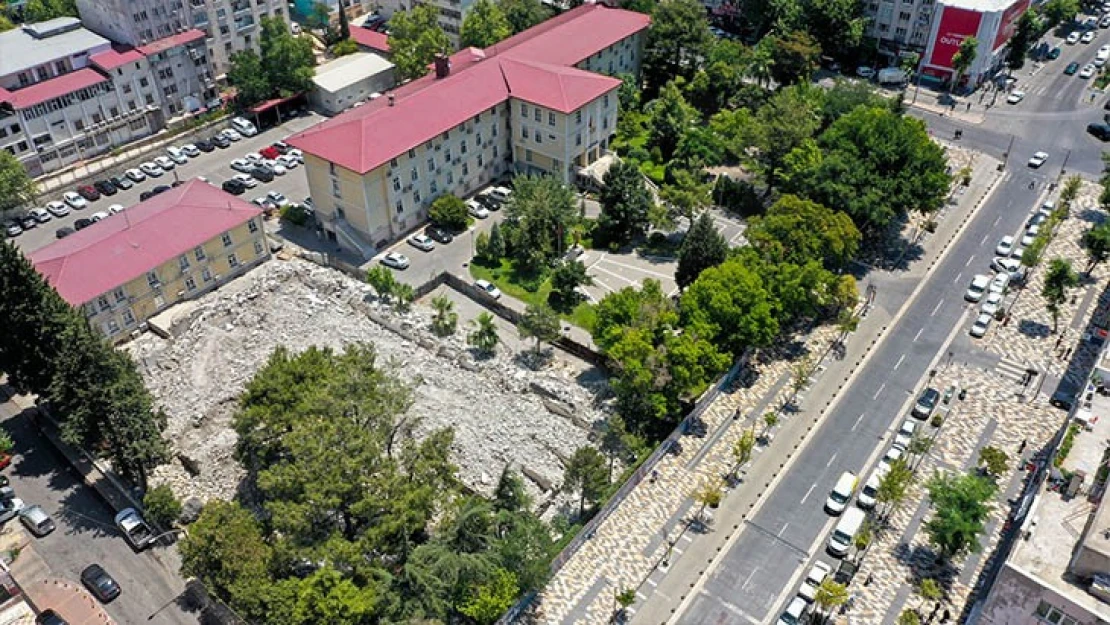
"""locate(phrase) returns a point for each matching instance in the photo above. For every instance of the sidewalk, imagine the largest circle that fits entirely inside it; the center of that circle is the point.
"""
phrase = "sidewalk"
(629, 548)
(964, 108)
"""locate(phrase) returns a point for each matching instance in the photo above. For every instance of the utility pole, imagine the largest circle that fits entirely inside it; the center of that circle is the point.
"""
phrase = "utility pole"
(1006, 156)
(1064, 166)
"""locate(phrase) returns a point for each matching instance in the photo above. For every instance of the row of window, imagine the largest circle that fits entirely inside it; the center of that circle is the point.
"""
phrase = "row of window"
(1048, 613)
(67, 100)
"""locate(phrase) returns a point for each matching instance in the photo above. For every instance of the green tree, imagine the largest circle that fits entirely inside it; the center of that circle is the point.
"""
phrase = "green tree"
(678, 38)
(798, 231)
(35, 320)
(226, 550)
(836, 25)
(565, 280)
(761, 63)
(484, 25)
(1097, 243)
(614, 441)
(796, 57)
(742, 448)
(449, 211)
(783, 124)
(960, 508)
(908, 617)
(248, 77)
(586, 474)
(496, 249)
(709, 496)
(43, 10)
(670, 116)
(382, 280)
(1021, 41)
(964, 58)
(684, 195)
(415, 38)
(484, 337)
(403, 296)
(511, 495)
(319, 17)
(894, 484)
(344, 47)
(523, 14)
(540, 323)
(161, 507)
(830, 595)
(1058, 11)
(489, 601)
(732, 304)
(7, 445)
(16, 187)
(326, 596)
(5, 23)
(287, 60)
(540, 213)
(994, 461)
(702, 248)
(445, 320)
(625, 203)
(930, 590)
(1057, 280)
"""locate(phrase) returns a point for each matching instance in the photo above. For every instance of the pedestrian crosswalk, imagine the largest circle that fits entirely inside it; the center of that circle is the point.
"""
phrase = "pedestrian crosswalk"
(1011, 370)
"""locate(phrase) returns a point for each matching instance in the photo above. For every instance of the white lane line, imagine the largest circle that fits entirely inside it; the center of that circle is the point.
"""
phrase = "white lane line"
(676, 550)
(858, 419)
(876, 395)
(749, 580)
(899, 363)
(996, 220)
(831, 460)
(936, 308)
(652, 582)
(958, 276)
(968, 263)
(985, 236)
(918, 335)
(808, 493)
(786, 525)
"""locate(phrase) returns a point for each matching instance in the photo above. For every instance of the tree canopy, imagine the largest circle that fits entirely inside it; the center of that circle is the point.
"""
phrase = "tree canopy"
(961, 504)
(484, 25)
(539, 215)
(625, 203)
(797, 231)
(16, 187)
(702, 247)
(678, 38)
(415, 38)
(284, 65)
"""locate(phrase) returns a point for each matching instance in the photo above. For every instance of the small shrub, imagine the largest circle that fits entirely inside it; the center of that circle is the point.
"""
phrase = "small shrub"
(937, 420)
(930, 226)
(7, 445)
(345, 47)
(295, 214)
(162, 508)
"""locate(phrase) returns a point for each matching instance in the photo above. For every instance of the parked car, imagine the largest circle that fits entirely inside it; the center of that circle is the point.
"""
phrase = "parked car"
(490, 289)
(82, 223)
(438, 234)
(151, 169)
(88, 192)
(115, 209)
(63, 232)
(100, 583)
(865, 72)
(105, 187)
(178, 155)
(244, 126)
(74, 200)
(243, 165)
(926, 403)
(99, 216)
(36, 520)
(422, 242)
(264, 204)
(501, 194)
(999, 283)
(50, 617)
(1071, 69)
(220, 140)
(488, 202)
(278, 198)
(39, 214)
(1038, 159)
(10, 505)
(165, 162)
(276, 167)
(121, 182)
(980, 325)
(205, 145)
(136, 174)
(1099, 131)
(12, 229)
(1015, 97)
(269, 152)
(1088, 36)
(1087, 71)
(395, 260)
(474, 209)
(1072, 38)
(282, 147)
(57, 209)
(992, 303)
(263, 173)
(134, 528)
(795, 612)
(1030, 235)
(28, 222)
(231, 135)
(1005, 247)
(234, 187)
(812, 582)
(1055, 53)
(1011, 266)
(288, 161)
(247, 180)
(297, 154)
(191, 150)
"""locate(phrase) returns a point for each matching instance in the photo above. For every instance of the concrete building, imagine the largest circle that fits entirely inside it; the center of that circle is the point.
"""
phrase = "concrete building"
(228, 25)
(348, 80)
(451, 12)
(991, 22)
(371, 40)
(67, 94)
(172, 247)
(534, 103)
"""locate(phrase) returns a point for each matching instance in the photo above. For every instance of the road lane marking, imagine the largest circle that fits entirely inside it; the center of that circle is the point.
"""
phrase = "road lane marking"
(984, 241)
(958, 276)
(831, 460)
(899, 363)
(918, 335)
(785, 525)
(968, 263)
(749, 580)
(858, 419)
(808, 493)
(936, 308)
(876, 395)
(652, 582)
(996, 220)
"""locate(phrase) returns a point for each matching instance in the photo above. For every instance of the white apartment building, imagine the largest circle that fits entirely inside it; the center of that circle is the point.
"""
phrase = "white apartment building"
(899, 24)
(451, 12)
(228, 25)
(67, 94)
(530, 104)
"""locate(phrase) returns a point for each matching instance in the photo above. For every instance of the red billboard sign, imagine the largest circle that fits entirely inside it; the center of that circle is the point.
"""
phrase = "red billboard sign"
(955, 26)
(1009, 23)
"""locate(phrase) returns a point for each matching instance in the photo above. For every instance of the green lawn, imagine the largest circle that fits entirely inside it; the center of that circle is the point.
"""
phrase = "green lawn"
(523, 288)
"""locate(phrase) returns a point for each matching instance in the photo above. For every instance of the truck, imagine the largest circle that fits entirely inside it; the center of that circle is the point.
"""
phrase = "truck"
(892, 76)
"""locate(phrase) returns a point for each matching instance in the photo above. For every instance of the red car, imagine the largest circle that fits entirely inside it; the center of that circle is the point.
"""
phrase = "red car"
(270, 152)
(88, 192)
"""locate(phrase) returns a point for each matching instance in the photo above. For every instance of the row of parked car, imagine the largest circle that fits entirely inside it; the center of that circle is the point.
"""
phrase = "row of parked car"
(263, 166)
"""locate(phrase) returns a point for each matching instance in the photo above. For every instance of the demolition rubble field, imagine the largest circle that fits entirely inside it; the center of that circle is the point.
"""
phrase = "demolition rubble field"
(502, 412)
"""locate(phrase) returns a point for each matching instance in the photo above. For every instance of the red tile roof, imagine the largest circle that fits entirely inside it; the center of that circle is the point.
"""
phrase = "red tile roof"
(172, 41)
(533, 65)
(117, 56)
(370, 39)
(112, 252)
(52, 88)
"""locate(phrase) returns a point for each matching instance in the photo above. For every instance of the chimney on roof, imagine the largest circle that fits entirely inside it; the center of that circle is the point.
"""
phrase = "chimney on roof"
(443, 66)
(391, 99)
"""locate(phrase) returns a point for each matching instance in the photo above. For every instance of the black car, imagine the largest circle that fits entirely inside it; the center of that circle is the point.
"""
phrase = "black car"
(82, 223)
(50, 617)
(488, 202)
(926, 403)
(1101, 131)
(121, 182)
(438, 234)
(262, 173)
(64, 232)
(146, 195)
(234, 187)
(99, 583)
(105, 187)
(204, 145)
(220, 141)
(162, 188)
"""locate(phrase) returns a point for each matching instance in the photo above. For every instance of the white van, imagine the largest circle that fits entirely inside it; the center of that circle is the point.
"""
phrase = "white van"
(841, 494)
(244, 127)
(846, 529)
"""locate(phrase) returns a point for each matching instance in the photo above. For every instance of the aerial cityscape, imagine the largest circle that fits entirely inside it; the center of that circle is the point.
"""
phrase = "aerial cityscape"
(556, 312)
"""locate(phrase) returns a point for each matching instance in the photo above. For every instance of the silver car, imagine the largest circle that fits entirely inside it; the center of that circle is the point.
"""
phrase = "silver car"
(422, 242)
(395, 260)
(36, 520)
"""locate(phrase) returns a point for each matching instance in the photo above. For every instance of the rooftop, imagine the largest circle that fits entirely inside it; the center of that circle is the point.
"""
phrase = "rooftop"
(535, 65)
(119, 249)
(349, 69)
(48, 89)
(172, 41)
(32, 45)
(982, 6)
(115, 57)
(370, 39)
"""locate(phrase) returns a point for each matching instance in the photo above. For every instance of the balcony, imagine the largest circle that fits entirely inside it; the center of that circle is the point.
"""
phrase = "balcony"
(244, 24)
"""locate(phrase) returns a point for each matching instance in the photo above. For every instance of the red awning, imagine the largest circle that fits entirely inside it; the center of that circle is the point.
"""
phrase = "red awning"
(262, 107)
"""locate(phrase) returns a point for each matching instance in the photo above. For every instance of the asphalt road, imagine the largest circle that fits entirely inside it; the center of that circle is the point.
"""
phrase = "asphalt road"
(214, 165)
(86, 532)
(791, 525)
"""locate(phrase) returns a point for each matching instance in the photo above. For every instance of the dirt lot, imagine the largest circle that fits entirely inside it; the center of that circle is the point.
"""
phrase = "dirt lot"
(502, 411)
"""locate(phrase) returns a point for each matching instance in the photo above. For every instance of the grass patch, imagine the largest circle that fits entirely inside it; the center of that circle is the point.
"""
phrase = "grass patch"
(529, 289)
(1102, 80)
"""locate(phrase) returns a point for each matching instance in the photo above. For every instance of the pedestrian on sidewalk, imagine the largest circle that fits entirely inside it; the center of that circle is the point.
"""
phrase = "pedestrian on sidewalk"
(969, 106)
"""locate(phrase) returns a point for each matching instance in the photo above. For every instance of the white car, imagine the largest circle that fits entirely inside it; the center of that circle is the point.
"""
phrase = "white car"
(287, 161)
(1011, 266)
(190, 150)
(178, 155)
(165, 162)
(115, 209)
(869, 494)
(243, 165)
(992, 303)
(134, 529)
(276, 167)
(1038, 159)
(395, 260)
(1005, 247)
(476, 210)
(231, 134)
(795, 612)
(247, 180)
(1015, 97)
(500, 194)
(74, 200)
(99, 216)
(977, 288)
(909, 428)
(813, 580)
(422, 242)
(999, 283)
(865, 72)
(278, 198)
(297, 154)
(490, 289)
(1087, 71)
(57, 209)
(1088, 36)
(892, 455)
(135, 174)
(1030, 235)
(151, 169)
(255, 157)
(1073, 37)
(39, 214)
(979, 328)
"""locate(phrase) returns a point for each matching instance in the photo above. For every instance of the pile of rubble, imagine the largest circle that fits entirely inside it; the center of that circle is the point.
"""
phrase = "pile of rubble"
(502, 412)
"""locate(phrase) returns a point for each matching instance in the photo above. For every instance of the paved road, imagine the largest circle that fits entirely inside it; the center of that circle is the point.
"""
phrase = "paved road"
(86, 532)
(791, 525)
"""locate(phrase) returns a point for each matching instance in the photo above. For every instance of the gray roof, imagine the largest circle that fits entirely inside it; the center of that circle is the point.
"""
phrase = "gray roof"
(32, 45)
(347, 70)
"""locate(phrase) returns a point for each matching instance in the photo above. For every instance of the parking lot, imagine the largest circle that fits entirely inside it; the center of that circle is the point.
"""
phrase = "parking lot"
(215, 166)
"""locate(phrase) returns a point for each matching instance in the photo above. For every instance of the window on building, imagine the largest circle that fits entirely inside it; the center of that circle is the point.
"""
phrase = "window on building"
(206, 274)
(226, 238)
(252, 226)
(481, 161)
(450, 178)
(447, 152)
(120, 295)
(335, 190)
(578, 117)
(431, 163)
(128, 318)
(400, 206)
(331, 168)
(494, 131)
(412, 153)
(111, 327)
(539, 115)
(102, 303)
(190, 284)
(524, 131)
(392, 163)
(232, 261)
(416, 196)
(396, 184)
(415, 176)
(539, 137)
(524, 110)
(433, 188)
(258, 248)
(183, 262)
(462, 146)
(152, 279)
(556, 164)
(198, 253)
(79, 125)
(466, 169)
(550, 118)
(528, 155)
(478, 138)
(495, 151)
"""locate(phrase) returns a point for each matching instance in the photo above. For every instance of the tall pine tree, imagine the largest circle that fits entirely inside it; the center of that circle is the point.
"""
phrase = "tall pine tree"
(702, 248)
